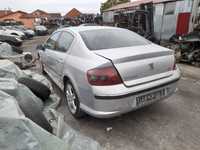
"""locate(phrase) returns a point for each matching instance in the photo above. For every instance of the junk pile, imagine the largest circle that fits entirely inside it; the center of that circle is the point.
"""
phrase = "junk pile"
(187, 48)
(28, 116)
(23, 59)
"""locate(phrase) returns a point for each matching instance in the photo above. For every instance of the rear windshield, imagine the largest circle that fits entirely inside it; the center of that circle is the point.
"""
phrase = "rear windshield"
(111, 38)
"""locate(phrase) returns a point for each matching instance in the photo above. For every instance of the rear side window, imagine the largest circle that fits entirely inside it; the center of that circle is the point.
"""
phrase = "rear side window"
(65, 41)
(52, 41)
(111, 38)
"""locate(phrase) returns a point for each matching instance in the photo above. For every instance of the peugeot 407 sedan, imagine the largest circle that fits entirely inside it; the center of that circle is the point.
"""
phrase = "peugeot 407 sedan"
(108, 71)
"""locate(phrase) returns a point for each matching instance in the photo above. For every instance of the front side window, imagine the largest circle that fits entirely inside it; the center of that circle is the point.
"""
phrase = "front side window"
(111, 38)
(65, 41)
(52, 41)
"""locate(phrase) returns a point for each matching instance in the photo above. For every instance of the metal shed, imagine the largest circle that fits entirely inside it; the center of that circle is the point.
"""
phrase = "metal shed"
(169, 16)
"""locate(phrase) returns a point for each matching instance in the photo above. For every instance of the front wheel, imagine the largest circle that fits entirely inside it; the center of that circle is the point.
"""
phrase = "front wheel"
(42, 68)
(72, 100)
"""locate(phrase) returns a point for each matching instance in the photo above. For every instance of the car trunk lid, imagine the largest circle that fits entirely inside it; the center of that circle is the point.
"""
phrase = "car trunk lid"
(140, 64)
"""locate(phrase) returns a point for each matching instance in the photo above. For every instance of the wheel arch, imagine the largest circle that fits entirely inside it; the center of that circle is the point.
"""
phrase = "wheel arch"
(66, 78)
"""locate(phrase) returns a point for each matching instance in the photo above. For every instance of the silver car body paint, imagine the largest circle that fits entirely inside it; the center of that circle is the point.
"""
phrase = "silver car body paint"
(143, 69)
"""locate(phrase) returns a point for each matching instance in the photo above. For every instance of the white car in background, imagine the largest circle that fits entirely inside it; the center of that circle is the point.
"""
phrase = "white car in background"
(8, 31)
(28, 32)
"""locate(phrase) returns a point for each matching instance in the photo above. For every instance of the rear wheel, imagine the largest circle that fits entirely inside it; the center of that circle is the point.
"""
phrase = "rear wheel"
(72, 100)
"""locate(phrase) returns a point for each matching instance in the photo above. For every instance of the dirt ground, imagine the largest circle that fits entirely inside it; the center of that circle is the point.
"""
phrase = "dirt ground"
(172, 124)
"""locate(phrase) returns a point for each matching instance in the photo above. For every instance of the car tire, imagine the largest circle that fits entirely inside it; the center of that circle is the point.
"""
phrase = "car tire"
(72, 100)
(32, 111)
(38, 88)
(41, 65)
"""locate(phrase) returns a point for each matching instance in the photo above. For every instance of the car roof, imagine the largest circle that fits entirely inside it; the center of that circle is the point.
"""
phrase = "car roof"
(78, 29)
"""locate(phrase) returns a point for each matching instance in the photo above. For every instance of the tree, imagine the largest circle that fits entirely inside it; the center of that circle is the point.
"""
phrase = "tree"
(111, 3)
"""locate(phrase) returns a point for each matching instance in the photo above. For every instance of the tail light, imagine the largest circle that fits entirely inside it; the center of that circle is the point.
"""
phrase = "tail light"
(103, 76)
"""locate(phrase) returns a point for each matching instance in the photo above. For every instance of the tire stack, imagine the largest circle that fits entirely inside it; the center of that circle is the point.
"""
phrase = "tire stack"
(30, 108)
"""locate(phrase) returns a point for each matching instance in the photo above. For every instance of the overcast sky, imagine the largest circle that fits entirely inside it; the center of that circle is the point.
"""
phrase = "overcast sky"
(62, 6)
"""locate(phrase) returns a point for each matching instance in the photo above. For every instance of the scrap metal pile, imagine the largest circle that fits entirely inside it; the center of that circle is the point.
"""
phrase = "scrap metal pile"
(139, 21)
(187, 47)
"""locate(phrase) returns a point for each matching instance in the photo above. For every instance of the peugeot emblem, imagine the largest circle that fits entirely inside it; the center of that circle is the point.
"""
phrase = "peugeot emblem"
(151, 65)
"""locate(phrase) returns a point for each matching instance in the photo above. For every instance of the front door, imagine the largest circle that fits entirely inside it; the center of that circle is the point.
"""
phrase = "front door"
(49, 56)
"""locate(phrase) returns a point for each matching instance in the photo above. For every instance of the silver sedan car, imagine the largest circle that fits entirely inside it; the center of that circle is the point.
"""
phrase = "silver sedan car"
(108, 71)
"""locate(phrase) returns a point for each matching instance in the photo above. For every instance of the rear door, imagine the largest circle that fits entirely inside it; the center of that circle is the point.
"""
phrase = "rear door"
(56, 53)
(64, 43)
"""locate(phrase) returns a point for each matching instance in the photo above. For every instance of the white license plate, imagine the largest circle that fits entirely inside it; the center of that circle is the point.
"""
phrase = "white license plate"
(148, 98)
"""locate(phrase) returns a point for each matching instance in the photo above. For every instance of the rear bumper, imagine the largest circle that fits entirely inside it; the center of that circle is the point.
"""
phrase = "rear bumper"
(116, 101)
(136, 93)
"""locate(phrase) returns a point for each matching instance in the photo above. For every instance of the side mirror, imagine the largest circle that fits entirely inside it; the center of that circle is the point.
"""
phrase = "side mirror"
(41, 47)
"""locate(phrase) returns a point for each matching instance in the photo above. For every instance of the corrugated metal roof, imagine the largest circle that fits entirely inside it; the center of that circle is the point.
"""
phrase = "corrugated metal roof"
(135, 3)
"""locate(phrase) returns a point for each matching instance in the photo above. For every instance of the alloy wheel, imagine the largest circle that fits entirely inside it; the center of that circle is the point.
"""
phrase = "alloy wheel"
(71, 98)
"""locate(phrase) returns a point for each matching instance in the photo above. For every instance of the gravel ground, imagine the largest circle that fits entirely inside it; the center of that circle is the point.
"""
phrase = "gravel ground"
(173, 124)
